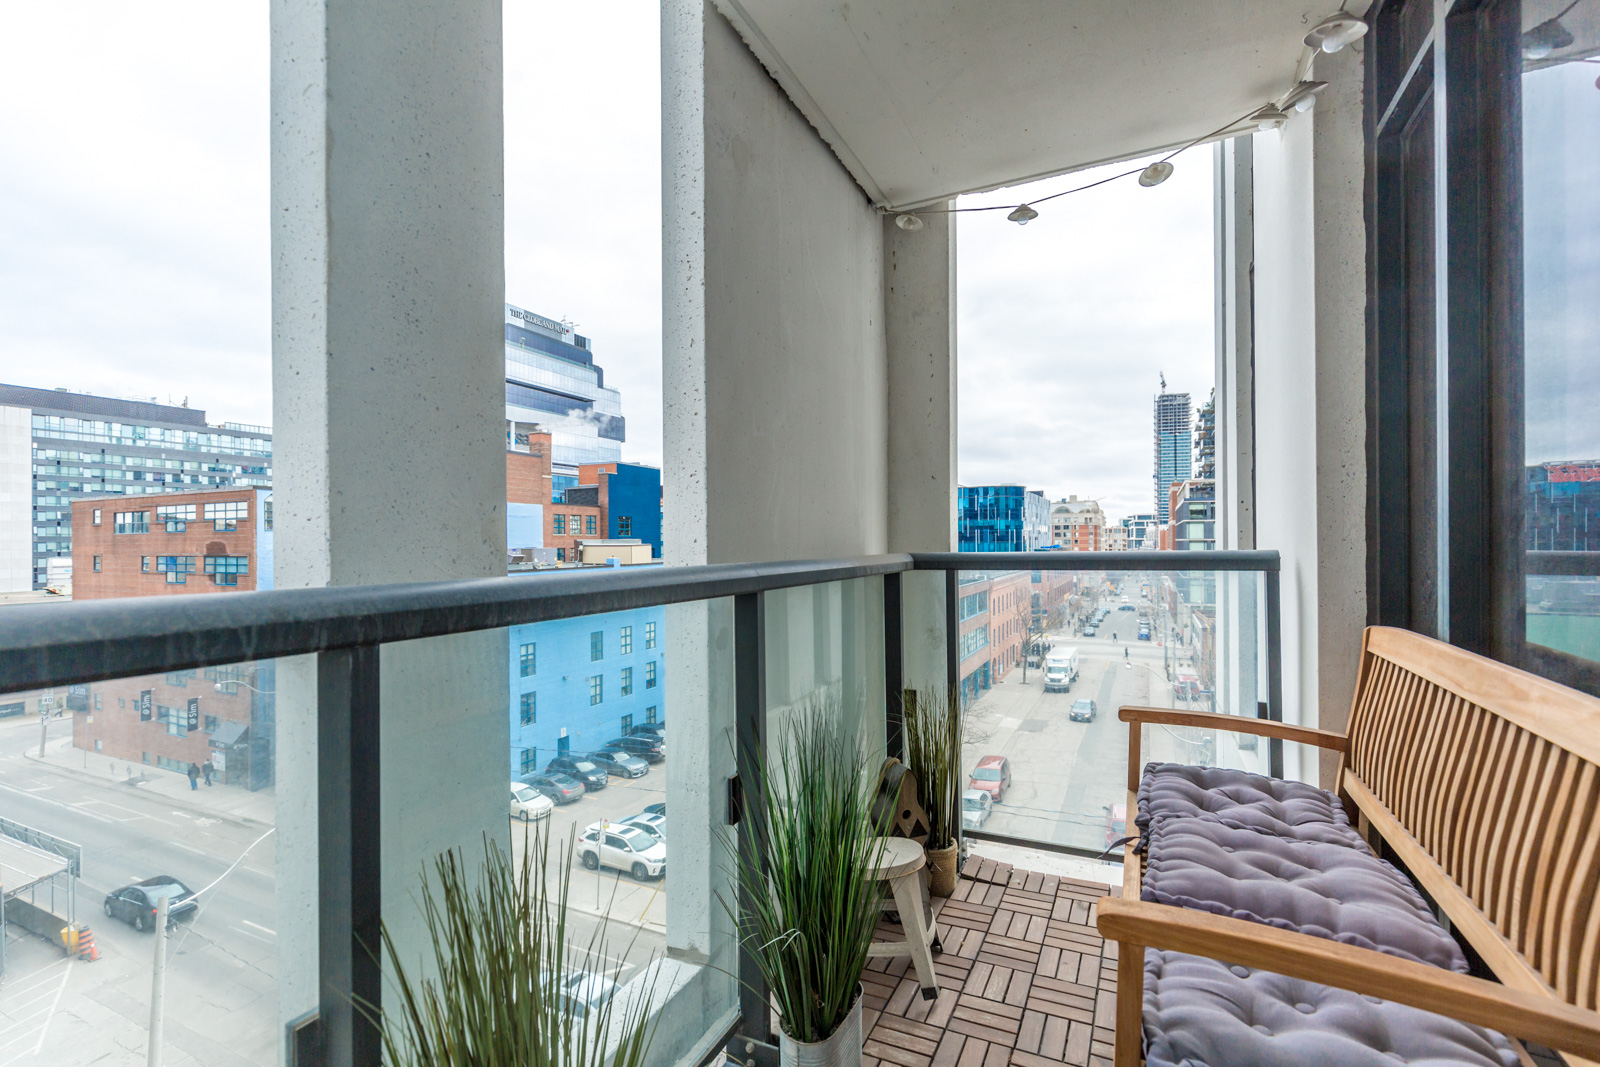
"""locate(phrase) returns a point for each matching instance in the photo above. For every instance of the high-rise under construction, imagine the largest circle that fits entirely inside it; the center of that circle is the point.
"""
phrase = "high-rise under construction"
(1174, 445)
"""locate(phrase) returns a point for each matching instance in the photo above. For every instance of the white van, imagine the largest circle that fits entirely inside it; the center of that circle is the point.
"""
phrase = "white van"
(1060, 670)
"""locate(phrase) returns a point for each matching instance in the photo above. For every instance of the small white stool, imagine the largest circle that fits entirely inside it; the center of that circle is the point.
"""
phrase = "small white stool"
(901, 864)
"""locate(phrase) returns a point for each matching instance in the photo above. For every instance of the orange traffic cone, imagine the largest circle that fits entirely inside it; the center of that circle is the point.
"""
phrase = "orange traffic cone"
(86, 947)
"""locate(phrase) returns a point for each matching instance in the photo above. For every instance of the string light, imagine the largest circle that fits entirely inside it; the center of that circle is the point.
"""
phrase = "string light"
(1155, 173)
(1329, 35)
(1303, 97)
(1336, 31)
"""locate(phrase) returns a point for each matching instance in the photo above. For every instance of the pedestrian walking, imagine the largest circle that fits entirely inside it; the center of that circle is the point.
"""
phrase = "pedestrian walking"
(194, 776)
(208, 769)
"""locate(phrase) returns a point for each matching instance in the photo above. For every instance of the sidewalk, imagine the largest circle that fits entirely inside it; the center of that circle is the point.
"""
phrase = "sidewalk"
(222, 801)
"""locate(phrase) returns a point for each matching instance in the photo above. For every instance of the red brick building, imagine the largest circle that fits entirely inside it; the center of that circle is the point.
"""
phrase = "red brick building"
(170, 721)
(162, 544)
(583, 514)
(1010, 608)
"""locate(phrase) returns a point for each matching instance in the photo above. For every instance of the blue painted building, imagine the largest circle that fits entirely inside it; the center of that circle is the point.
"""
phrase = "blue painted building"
(577, 683)
(634, 505)
(993, 518)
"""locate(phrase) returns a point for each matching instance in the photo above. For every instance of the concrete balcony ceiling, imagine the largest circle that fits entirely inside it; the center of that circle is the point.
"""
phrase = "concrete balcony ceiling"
(922, 101)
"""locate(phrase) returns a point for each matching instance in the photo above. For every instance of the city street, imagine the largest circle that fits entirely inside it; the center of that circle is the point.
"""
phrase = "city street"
(221, 998)
(1067, 776)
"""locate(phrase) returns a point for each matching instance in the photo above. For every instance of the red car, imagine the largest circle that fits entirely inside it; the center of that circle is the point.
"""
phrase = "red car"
(993, 776)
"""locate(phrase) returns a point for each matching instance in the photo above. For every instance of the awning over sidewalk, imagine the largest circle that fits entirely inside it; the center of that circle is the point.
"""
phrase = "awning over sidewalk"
(22, 866)
(228, 733)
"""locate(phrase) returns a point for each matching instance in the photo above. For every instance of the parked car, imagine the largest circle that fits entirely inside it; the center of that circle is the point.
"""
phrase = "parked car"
(620, 764)
(583, 992)
(137, 904)
(656, 809)
(586, 771)
(528, 803)
(647, 748)
(657, 730)
(1116, 823)
(993, 776)
(976, 806)
(1089, 631)
(1083, 710)
(656, 824)
(558, 787)
(1126, 606)
(624, 848)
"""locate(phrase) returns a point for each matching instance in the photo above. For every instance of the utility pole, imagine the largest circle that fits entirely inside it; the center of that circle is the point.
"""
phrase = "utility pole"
(45, 707)
(158, 983)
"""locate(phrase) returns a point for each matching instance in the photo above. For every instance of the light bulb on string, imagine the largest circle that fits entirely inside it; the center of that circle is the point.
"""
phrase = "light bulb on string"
(908, 222)
(1303, 97)
(1336, 31)
(1155, 173)
(1022, 214)
(1268, 118)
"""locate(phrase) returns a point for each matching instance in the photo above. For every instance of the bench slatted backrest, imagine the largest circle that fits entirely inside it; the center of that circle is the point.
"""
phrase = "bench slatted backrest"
(1495, 774)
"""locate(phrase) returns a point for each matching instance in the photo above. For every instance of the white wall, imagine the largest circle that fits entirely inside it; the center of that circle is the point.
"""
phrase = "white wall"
(774, 366)
(16, 499)
(1310, 388)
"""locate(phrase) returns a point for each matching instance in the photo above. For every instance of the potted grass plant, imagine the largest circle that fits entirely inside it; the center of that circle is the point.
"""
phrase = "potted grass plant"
(933, 750)
(811, 903)
(505, 985)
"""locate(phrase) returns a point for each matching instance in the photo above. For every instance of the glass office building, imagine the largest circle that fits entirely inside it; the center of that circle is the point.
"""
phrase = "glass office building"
(993, 518)
(553, 381)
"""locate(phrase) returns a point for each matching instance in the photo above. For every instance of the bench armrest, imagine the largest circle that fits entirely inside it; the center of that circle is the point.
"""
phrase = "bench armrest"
(1134, 715)
(1533, 1016)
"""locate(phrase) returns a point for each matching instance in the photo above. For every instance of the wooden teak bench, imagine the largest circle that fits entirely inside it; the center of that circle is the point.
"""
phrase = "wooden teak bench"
(1484, 781)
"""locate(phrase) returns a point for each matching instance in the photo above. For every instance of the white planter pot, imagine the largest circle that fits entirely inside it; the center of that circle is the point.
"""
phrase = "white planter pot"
(842, 1048)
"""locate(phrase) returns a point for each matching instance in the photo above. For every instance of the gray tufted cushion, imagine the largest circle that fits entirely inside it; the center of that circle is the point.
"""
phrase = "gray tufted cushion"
(1244, 800)
(1201, 1013)
(1333, 891)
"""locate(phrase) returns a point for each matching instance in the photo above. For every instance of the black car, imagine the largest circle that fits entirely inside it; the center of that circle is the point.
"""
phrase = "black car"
(136, 904)
(651, 749)
(591, 775)
(657, 730)
(561, 788)
(656, 809)
(1083, 710)
(621, 764)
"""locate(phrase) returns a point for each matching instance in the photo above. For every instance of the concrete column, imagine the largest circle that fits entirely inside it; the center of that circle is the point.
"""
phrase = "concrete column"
(1310, 355)
(773, 326)
(919, 293)
(388, 282)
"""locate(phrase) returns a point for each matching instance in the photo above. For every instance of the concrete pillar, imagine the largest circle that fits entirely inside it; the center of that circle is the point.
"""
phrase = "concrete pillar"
(1310, 378)
(919, 293)
(773, 326)
(387, 289)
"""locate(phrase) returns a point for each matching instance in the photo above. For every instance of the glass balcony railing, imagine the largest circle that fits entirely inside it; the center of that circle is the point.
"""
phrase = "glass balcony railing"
(352, 734)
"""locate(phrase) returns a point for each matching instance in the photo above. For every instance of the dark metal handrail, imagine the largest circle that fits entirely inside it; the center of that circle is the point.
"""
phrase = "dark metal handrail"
(98, 640)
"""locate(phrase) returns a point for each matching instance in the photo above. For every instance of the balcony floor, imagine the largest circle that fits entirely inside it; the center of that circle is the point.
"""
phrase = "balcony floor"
(1024, 980)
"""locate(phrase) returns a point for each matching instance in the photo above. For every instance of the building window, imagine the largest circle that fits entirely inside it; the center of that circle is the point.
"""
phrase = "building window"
(211, 724)
(627, 641)
(596, 688)
(627, 725)
(529, 709)
(624, 526)
(560, 522)
(575, 524)
(179, 678)
(176, 516)
(144, 563)
(650, 675)
(649, 635)
(530, 760)
(97, 563)
(561, 555)
(627, 682)
(167, 763)
(588, 525)
(597, 646)
(176, 720)
(528, 659)
(96, 517)
(130, 522)
(97, 744)
(176, 568)
(226, 514)
(650, 713)
(225, 570)
(97, 702)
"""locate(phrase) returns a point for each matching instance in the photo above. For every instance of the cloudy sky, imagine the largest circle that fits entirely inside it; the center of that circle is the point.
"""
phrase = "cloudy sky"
(134, 240)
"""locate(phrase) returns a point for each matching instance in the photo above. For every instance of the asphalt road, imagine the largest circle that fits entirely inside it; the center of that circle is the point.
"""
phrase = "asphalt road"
(221, 971)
